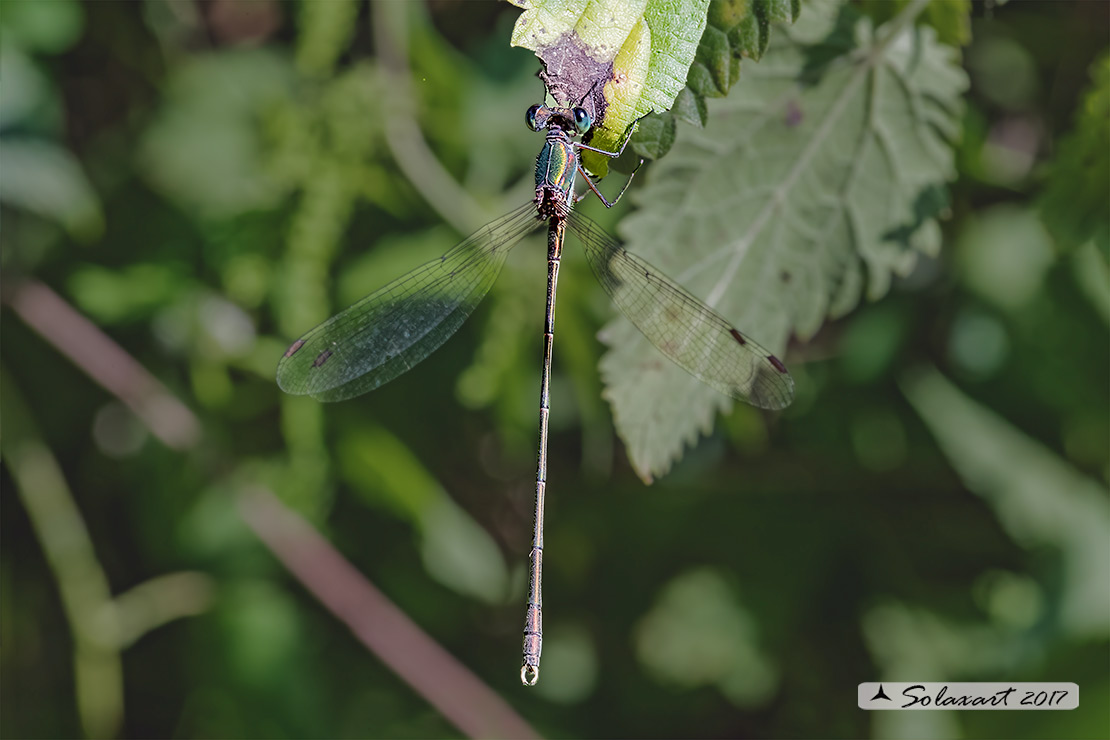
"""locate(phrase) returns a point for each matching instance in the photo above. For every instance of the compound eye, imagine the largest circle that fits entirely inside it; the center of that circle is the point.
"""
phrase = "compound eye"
(582, 120)
(530, 117)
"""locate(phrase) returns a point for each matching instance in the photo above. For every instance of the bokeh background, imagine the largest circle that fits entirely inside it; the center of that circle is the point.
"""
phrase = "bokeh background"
(187, 186)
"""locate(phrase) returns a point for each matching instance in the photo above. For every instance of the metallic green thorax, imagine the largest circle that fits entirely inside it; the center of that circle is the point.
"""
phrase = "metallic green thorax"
(556, 167)
(556, 164)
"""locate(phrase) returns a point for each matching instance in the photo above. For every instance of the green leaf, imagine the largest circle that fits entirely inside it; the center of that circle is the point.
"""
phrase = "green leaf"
(690, 108)
(623, 59)
(1039, 498)
(744, 27)
(656, 135)
(1078, 189)
(699, 633)
(125, 294)
(456, 550)
(1003, 254)
(326, 31)
(792, 199)
(950, 18)
(734, 29)
(50, 27)
(48, 180)
(204, 148)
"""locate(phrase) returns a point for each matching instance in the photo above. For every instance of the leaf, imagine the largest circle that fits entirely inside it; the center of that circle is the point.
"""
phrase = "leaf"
(1003, 255)
(950, 18)
(791, 199)
(50, 28)
(204, 148)
(619, 59)
(656, 134)
(48, 180)
(456, 550)
(127, 293)
(326, 31)
(687, 107)
(699, 633)
(734, 29)
(1039, 498)
(1078, 189)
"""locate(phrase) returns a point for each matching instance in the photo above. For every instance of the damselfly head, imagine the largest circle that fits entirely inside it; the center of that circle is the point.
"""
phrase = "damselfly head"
(574, 121)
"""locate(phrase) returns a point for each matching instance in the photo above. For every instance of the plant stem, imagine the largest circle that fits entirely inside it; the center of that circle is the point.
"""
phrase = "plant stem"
(402, 132)
(104, 361)
(82, 583)
(460, 696)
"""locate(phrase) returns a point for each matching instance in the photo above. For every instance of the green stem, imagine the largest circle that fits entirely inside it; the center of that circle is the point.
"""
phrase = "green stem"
(101, 625)
(82, 583)
(402, 132)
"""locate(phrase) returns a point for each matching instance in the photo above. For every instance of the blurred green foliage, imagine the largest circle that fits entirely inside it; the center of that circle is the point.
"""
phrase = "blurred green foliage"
(1074, 204)
(205, 181)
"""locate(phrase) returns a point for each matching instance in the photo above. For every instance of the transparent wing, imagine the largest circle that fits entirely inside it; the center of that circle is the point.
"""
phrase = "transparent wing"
(682, 327)
(392, 329)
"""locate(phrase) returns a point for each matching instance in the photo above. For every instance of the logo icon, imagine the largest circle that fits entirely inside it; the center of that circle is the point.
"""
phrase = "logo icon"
(881, 694)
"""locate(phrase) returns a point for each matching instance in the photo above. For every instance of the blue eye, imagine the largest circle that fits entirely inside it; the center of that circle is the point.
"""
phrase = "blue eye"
(530, 117)
(582, 120)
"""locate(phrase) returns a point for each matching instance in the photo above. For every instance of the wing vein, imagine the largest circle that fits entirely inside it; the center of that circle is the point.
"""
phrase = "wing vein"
(398, 325)
(681, 326)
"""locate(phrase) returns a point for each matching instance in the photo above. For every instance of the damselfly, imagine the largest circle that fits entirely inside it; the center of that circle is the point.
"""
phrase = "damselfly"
(392, 329)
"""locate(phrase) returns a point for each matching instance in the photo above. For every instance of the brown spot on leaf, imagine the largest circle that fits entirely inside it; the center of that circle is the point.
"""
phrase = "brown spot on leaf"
(794, 114)
(573, 77)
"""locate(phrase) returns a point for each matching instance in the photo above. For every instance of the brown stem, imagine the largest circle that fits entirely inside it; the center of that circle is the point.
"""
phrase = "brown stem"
(104, 361)
(459, 695)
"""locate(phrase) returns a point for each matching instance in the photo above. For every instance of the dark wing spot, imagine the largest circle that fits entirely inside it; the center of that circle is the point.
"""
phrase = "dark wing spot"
(323, 357)
(294, 347)
(738, 336)
(777, 363)
(784, 276)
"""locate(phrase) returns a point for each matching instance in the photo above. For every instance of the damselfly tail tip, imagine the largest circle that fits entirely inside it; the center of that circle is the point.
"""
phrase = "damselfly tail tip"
(529, 674)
